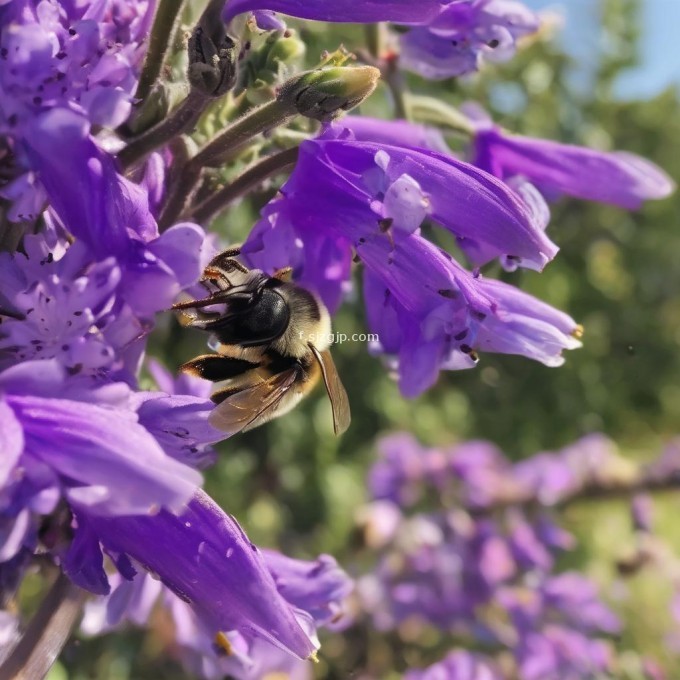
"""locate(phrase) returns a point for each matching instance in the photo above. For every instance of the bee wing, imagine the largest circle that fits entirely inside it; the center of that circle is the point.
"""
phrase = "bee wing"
(335, 389)
(243, 408)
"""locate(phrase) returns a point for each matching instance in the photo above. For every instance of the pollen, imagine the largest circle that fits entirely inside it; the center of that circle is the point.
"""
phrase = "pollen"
(578, 331)
(223, 643)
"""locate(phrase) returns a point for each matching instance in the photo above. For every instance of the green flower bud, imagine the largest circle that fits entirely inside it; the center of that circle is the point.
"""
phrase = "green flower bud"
(324, 93)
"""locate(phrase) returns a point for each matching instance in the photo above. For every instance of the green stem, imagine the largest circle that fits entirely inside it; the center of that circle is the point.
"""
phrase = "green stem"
(164, 27)
(238, 134)
(397, 86)
(375, 39)
(182, 119)
(252, 177)
(46, 634)
(220, 150)
(437, 112)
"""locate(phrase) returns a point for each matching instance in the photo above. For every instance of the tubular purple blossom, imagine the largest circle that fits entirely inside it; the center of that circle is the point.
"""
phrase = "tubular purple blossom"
(367, 11)
(204, 557)
(350, 195)
(111, 215)
(314, 589)
(86, 442)
(456, 41)
(617, 177)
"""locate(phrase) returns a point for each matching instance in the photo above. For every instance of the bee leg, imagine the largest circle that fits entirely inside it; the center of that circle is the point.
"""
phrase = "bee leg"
(284, 274)
(215, 367)
(215, 299)
(225, 260)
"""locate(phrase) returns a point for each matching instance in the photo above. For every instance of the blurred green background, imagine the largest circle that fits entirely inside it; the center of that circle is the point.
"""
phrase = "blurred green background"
(293, 485)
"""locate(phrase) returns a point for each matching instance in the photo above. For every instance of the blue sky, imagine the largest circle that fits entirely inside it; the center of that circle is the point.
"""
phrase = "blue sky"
(660, 44)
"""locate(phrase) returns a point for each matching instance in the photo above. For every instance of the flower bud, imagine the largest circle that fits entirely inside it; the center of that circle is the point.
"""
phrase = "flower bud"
(212, 62)
(324, 93)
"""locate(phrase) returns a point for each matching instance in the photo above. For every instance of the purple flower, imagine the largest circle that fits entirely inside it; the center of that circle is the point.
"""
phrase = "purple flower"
(617, 177)
(111, 215)
(395, 133)
(559, 652)
(203, 556)
(556, 625)
(91, 304)
(182, 383)
(349, 195)
(312, 591)
(57, 302)
(458, 665)
(463, 34)
(81, 441)
(463, 557)
(368, 11)
(553, 477)
(318, 587)
(60, 304)
(76, 57)
(85, 442)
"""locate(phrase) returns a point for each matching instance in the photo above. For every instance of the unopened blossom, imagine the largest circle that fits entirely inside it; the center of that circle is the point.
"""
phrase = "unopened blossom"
(464, 34)
(617, 177)
(78, 57)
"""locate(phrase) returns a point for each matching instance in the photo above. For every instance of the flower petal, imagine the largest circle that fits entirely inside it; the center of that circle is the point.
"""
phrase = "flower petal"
(121, 466)
(351, 11)
(204, 557)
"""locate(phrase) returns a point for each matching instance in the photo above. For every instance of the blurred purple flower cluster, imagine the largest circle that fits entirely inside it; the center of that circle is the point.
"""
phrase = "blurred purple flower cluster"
(467, 543)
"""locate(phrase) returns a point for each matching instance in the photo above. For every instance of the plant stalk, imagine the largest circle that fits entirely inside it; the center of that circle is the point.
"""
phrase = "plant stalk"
(252, 177)
(47, 632)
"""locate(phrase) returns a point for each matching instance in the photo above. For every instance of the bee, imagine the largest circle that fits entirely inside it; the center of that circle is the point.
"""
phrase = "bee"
(272, 340)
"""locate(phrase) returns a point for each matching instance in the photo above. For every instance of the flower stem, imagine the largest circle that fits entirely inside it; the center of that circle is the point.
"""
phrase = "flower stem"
(164, 27)
(436, 112)
(375, 39)
(253, 176)
(221, 149)
(321, 94)
(646, 480)
(397, 86)
(236, 136)
(47, 632)
(182, 119)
